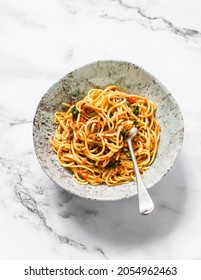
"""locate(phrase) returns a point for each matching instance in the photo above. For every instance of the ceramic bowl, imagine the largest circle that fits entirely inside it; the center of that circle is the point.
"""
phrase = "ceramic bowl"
(131, 78)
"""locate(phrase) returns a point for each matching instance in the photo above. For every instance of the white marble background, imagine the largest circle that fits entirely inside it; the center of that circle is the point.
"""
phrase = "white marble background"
(41, 41)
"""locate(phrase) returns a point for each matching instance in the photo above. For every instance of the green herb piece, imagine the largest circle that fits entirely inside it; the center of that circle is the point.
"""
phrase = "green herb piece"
(111, 115)
(110, 164)
(136, 110)
(135, 122)
(113, 163)
(74, 112)
(126, 151)
(128, 154)
(124, 133)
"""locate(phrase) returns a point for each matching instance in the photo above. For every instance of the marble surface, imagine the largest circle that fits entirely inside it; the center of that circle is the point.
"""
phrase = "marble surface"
(40, 42)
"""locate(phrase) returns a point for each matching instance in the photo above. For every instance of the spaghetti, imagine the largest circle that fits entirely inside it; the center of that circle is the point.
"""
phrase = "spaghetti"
(91, 136)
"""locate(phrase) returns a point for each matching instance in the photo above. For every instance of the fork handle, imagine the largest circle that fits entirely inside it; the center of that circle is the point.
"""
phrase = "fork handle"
(146, 204)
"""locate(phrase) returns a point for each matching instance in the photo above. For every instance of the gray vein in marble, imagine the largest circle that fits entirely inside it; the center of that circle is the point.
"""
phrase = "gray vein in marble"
(89, 212)
(84, 215)
(101, 251)
(184, 32)
(27, 200)
(67, 215)
(32, 23)
(12, 121)
(165, 207)
(31, 205)
(17, 122)
(70, 9)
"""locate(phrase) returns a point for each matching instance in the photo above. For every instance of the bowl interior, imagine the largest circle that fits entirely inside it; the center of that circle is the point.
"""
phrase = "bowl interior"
(132, 79)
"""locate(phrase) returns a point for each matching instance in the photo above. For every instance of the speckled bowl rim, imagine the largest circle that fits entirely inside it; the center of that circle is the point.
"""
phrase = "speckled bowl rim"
(174, 157)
